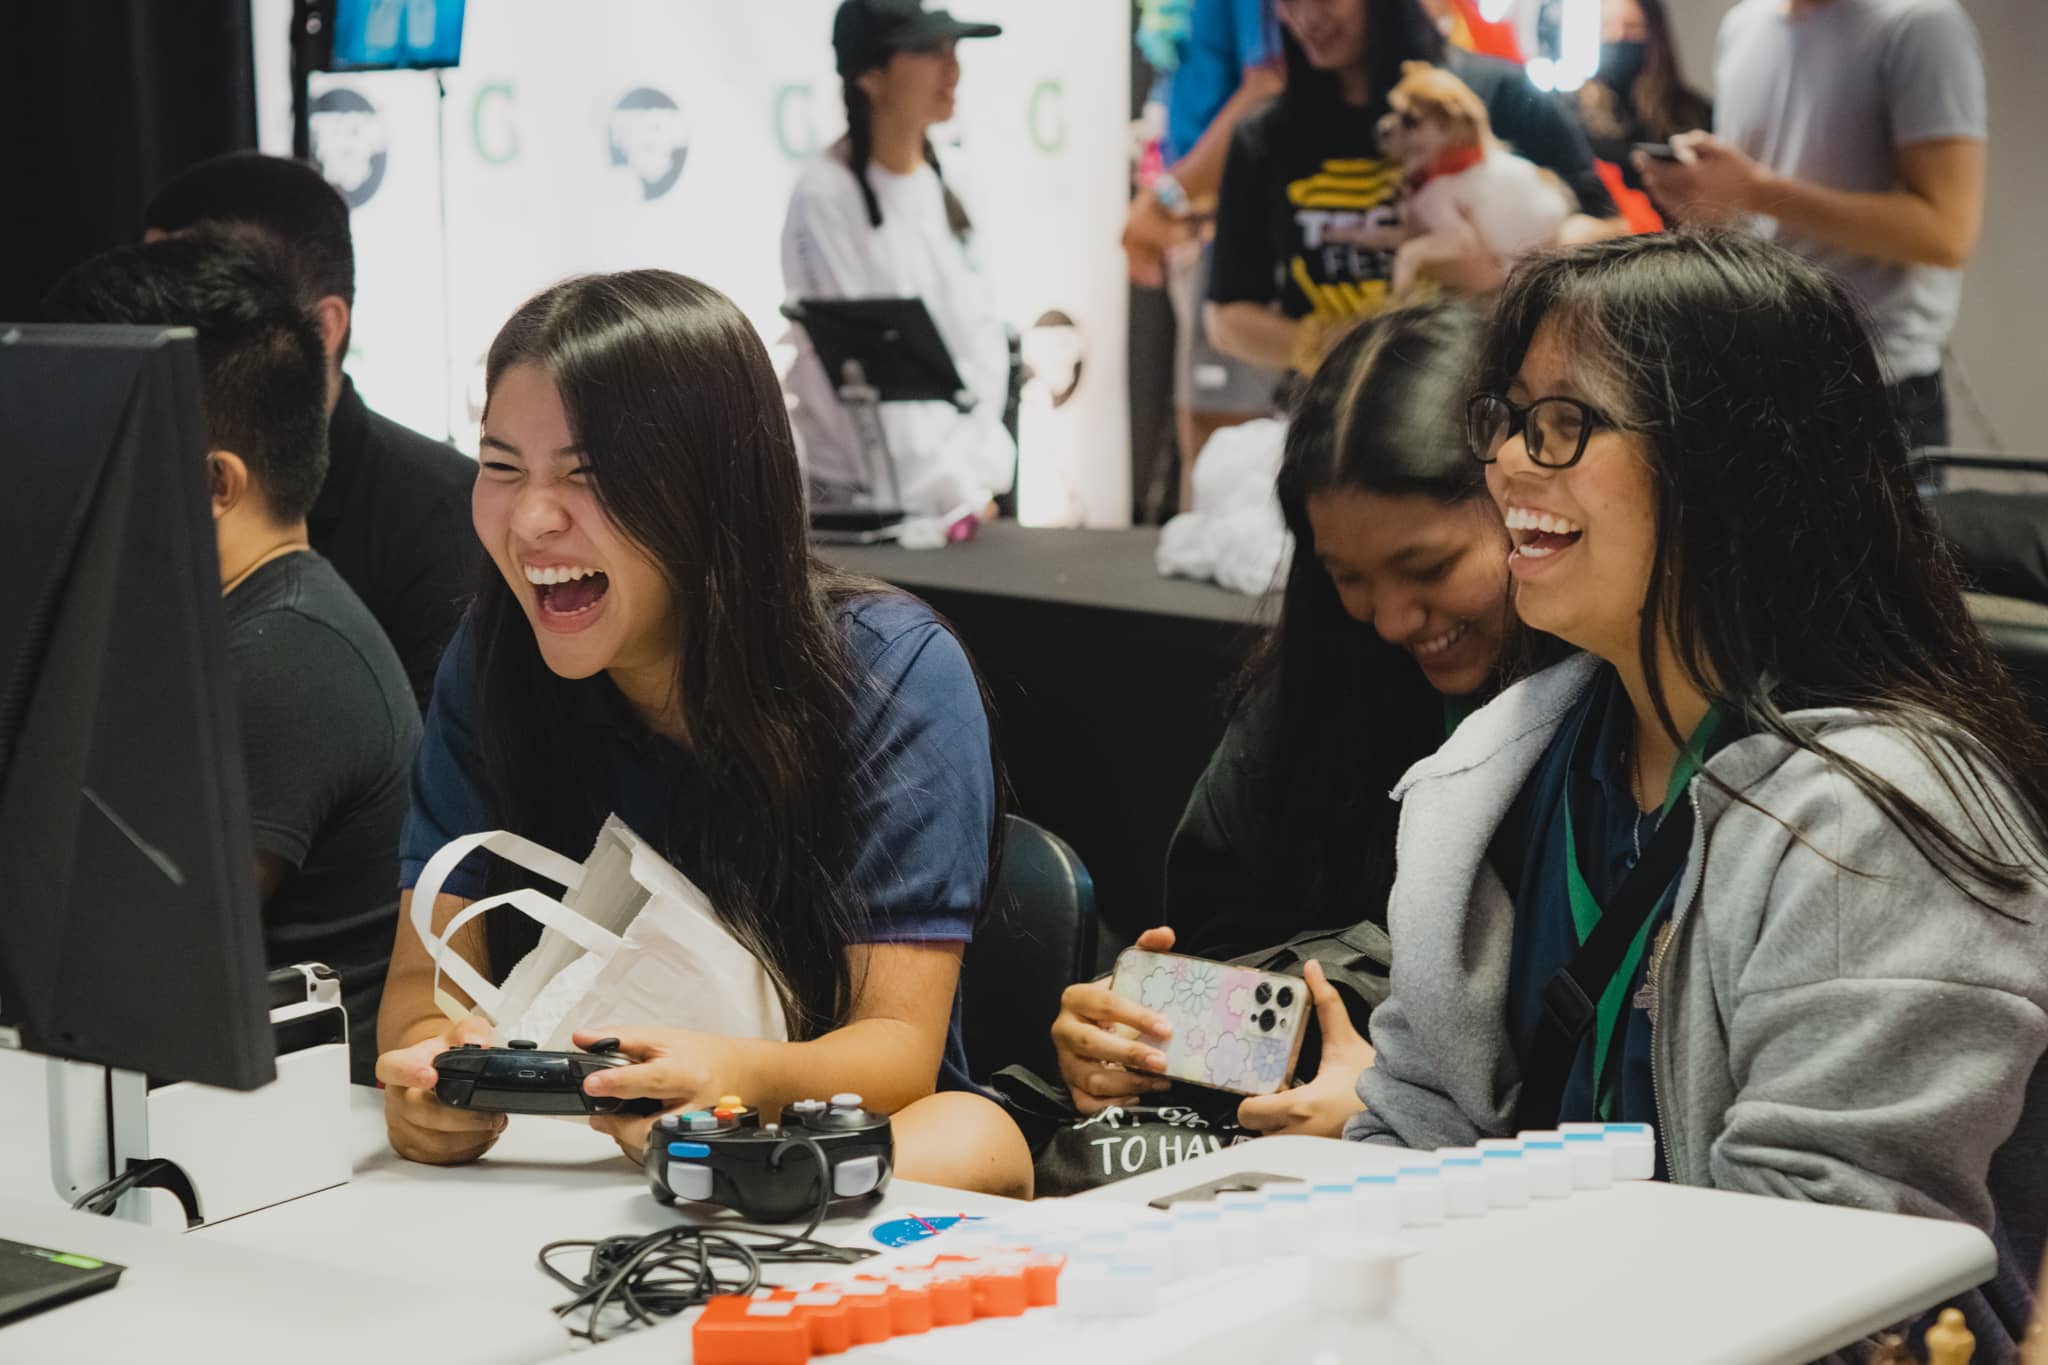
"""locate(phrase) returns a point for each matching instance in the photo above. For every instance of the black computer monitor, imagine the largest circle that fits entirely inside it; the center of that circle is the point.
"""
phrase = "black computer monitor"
(129, 924)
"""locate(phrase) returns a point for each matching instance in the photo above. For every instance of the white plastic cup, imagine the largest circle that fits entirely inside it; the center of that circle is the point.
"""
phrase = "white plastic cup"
(1464, 1175)
(1550, 1168)
(1422, 1196)
(1287, 1226)
(1376, 1207)
(1507, 1177)
(1091, 1289)
(1196, 1239)
(1592, 1163)
(1633, 1146)
(1243, 1214)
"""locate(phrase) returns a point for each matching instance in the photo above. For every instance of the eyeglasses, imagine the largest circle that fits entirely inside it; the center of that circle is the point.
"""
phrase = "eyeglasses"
(1559, 426)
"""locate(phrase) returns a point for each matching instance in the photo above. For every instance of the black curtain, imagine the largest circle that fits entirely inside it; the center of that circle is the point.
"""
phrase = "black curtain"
(101, 102)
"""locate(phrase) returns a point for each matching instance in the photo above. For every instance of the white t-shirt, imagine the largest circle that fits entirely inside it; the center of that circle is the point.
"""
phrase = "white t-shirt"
(945, 459)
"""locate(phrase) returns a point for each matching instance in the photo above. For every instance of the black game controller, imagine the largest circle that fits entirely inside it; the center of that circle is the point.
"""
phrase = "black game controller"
(769, 1173)
(521, 1079)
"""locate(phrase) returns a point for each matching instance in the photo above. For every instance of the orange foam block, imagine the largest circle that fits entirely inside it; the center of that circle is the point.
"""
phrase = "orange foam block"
(826, 1314)
(868, 1308)
(1042, 1280)
(735, 1330)
(910, 1306)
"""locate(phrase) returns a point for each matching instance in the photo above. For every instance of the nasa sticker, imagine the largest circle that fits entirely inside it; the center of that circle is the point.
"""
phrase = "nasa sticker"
(351, 143)
(903, 1232)
(650, 136)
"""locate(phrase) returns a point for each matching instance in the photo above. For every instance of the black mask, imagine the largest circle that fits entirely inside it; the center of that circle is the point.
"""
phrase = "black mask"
(1620, 64)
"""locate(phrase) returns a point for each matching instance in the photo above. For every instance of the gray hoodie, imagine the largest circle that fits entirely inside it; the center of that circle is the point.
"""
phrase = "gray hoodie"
(1871, 1040)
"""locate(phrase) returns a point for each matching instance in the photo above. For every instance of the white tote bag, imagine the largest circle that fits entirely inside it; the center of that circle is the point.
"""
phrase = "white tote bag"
(632, 943)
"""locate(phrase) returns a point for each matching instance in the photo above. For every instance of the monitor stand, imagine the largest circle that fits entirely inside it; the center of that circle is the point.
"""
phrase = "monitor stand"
(226, 1152)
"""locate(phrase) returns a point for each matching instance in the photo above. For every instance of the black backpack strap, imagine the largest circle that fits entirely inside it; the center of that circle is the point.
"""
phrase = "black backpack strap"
(1571, 999)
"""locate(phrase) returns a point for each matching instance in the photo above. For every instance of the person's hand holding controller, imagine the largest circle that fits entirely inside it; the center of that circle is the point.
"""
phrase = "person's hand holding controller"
(420, 1126)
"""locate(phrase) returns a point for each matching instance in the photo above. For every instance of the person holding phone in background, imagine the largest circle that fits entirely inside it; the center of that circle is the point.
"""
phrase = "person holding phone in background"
(1639, 94)
(1855, 133)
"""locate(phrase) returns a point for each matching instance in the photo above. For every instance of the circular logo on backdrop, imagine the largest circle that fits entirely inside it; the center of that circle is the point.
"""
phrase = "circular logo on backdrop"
(650, 136)
(351, 144)
(1055, 352)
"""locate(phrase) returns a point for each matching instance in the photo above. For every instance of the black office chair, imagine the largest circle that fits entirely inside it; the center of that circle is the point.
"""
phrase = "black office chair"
(1037, 939)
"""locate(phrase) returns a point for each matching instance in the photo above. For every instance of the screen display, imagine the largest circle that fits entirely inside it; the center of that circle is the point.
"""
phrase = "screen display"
(377, 35)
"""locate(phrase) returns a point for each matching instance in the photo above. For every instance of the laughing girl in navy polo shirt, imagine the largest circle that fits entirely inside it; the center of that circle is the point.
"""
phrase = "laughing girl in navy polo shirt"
(810, 748)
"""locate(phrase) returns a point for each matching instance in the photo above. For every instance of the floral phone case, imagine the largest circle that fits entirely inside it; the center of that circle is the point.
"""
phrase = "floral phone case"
(1234, 1028)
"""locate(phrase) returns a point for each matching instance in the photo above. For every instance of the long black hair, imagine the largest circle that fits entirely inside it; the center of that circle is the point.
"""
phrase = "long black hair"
(1380, 415)
(1795, 566)
(1663, 104)
(860, 130)
(1396, 31)
(674, 403)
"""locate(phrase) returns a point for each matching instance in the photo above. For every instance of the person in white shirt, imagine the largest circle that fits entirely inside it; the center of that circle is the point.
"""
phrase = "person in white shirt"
(873, 217)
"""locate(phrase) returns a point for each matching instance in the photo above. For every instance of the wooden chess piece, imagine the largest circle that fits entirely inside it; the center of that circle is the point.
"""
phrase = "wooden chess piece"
(1948, 1341)
(1890, 1348)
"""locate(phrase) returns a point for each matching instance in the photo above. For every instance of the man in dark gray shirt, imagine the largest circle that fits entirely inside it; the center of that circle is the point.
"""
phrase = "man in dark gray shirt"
(1854, 133)
(392, 516)
(328, 722)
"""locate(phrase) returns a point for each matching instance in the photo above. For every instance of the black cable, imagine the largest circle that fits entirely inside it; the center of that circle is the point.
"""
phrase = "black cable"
(810, 1144)
(102, 1198)
(661, 1274)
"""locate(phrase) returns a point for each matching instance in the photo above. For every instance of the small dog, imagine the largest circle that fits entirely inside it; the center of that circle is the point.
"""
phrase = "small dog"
(1462, 187)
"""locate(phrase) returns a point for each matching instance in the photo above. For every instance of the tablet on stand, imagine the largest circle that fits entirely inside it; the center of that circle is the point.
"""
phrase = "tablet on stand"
(880, 351)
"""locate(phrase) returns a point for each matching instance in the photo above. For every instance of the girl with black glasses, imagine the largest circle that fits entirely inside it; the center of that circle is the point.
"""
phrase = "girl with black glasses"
(1786, 795)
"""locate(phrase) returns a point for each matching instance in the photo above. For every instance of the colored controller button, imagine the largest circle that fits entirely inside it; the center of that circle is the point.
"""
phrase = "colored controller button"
(690, 1181)
(856, 1177)
(731, 1102)
(846, 1099)
(688, 1151)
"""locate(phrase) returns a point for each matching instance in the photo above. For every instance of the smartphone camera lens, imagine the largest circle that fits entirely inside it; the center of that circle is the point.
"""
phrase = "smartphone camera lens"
(1266, 1021)
(1262, 993)
(1286, 997)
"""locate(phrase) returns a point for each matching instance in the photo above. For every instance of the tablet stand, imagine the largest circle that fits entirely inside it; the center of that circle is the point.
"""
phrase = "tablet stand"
(883, 351)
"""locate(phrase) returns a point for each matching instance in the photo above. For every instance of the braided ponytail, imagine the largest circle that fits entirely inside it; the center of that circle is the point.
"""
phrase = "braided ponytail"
(860, 143)
(956, 212)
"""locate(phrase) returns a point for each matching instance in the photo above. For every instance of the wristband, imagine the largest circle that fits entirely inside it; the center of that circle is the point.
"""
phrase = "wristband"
(1167, 190)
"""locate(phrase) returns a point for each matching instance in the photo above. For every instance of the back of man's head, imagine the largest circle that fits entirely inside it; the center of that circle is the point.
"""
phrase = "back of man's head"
(259, 353)
(288, 202)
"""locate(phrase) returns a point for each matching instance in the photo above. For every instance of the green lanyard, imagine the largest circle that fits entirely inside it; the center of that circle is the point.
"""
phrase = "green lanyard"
(1586, 909)
(1457, 710)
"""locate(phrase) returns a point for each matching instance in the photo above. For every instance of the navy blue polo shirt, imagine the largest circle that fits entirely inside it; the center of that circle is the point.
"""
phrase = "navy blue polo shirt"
(924, 785)
(1528, 852)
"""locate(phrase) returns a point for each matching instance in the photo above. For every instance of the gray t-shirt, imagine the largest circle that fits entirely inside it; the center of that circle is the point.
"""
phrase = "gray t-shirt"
(329, 726)
(1828, 99)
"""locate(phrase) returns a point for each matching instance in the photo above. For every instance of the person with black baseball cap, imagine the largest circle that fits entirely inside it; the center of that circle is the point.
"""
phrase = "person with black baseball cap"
(873, 217)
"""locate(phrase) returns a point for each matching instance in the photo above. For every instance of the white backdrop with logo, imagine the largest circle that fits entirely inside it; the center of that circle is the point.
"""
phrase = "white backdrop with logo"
(612, 134)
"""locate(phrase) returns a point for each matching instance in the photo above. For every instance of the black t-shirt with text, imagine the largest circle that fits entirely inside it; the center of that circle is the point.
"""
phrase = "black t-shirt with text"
(1291, 197)
(329, 726)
